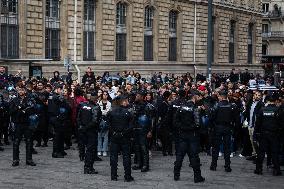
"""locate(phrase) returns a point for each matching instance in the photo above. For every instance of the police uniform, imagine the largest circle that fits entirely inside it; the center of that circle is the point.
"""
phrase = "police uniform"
(187, 125)
(23, 116)
(60, 113)
(119, 119)
(4, 120)
(224, 115)
(142, 125)
(267, 133)
(89, 116)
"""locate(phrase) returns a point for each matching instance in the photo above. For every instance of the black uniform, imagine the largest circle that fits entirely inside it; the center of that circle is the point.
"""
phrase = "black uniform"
(89, 116)
(170, 116)
(224, 116)
(4, 120)
(23, 112)
(164, 129)
(41, 133)
(142, 125)
(119, 119)
(187, 125)
(60, 115)
(267, 133)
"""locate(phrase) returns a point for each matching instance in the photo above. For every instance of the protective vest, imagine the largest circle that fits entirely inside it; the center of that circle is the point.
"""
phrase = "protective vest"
(270, 119)
(224, 114)
(86, 114)
(185, 118)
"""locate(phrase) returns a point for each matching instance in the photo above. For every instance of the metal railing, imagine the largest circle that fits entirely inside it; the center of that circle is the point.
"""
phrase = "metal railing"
(274, 34)
(273, 14)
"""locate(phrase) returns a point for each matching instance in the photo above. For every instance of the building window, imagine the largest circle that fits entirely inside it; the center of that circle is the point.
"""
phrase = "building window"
(121, 14)
(9, 29)
(173, 35)
(121, 34)
(148, 33)
(265, 28)
(52, 31)
(265, 7)
(264, 49)
(232, 42)
(250, 43)
(89, 30)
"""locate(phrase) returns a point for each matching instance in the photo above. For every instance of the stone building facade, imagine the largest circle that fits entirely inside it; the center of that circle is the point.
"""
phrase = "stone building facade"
(140, 35)
(273, 27)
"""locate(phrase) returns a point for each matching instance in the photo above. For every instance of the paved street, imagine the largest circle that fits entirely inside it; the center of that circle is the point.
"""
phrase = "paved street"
(68, 173)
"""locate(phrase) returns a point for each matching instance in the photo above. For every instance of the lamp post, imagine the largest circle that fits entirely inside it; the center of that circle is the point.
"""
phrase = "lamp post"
(209, 40)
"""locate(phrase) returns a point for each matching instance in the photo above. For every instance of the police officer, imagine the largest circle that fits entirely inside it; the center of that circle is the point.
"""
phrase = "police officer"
(170, 116)
(60, 113)
(4, 120)
(267, 129)
(89, 117)
(21, 108)
(119, 120)
(142, 124)
(187, 125)
(223, 116)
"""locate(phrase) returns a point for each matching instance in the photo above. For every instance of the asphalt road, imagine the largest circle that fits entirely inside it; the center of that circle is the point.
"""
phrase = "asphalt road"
(68, 173)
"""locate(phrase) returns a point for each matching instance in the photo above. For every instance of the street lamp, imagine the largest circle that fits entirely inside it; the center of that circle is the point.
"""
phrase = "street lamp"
(209, 40)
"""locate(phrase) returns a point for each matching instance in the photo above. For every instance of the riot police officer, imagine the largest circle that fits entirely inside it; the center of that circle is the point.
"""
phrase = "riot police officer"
(142, 129)
(119, 120)
(60, 113)
(4, 120)
(267, 133)
(170, 118)
(223, 116)
(187, 125)
(22, 109)
(89, 117)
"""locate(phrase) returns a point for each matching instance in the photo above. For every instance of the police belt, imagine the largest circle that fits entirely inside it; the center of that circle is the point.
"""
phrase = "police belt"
(223, 123)
(118, 134)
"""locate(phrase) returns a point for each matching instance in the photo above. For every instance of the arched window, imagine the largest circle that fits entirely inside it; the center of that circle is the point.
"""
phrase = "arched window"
(250, 43)
(121, 12)
(232, 41)
(148, 33)
(52, 30)
(89, 29)
(173, 15)
(9, 29)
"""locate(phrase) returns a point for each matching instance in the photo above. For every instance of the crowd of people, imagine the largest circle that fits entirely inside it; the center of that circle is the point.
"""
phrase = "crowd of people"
(128, 114)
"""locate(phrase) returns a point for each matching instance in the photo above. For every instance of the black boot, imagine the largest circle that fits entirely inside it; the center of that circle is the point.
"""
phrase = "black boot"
(145, 169)
(258, 172)
(137, 167)
(228, 169)
(15, 163)
(128, 178)
(90, 170)
(277, 172)
(30, 163)
(176, 176)
(197, 172)
(213, 167)
(198, 179)
(1, 149)
(57, 155)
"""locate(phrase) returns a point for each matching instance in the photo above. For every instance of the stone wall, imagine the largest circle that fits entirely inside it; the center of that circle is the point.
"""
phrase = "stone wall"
(32, 37)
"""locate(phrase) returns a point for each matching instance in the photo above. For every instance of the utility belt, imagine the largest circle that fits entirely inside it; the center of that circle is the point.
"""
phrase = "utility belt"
(223, 123)
(121, 134)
